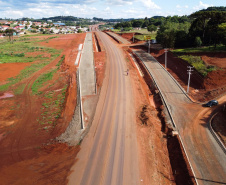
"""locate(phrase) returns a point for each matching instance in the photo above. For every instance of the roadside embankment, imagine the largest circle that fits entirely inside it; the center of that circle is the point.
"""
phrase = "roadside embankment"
(181, 170)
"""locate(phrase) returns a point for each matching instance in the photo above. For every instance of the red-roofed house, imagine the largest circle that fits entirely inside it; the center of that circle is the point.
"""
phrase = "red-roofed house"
(4, 27)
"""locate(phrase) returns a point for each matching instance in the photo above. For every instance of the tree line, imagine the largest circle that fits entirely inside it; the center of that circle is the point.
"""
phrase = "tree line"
(205, 27)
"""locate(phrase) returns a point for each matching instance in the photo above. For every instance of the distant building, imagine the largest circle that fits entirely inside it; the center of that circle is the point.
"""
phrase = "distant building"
(59, 24)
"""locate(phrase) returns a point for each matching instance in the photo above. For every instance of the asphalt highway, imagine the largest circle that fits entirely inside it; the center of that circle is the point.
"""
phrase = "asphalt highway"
(109, 152)
(207, 158)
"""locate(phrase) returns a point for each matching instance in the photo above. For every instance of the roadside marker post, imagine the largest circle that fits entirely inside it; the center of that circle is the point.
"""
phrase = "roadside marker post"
(189, 76)
(166, 50)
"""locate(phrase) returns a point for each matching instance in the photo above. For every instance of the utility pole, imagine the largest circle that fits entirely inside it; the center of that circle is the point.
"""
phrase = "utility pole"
(133, 37)
(149, 45)
(189, 76)
(166, 50)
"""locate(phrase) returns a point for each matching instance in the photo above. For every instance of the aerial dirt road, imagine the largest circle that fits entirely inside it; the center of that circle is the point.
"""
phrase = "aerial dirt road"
(206, 156)
(109, 152)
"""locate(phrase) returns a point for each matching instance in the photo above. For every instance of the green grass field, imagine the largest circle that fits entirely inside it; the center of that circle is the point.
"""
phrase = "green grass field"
(219, 48)
(144, 32)
(16, 52)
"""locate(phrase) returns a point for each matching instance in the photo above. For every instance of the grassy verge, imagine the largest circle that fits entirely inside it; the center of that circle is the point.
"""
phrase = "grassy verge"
(52, 107)
(198, 64)
(144, 32)
(45, 77)
(41, 80)
(141, 37)
(60, 62)
(219, 48)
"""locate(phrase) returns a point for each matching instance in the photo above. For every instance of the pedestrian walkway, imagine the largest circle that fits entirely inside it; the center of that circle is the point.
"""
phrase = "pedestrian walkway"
(87, 68)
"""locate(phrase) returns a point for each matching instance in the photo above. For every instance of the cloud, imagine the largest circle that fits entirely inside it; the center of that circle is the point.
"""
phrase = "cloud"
(201, 6)
(107, 9)
(181, 7)
(119, 2)
(23, 4)
(150, 4)
(12, 13)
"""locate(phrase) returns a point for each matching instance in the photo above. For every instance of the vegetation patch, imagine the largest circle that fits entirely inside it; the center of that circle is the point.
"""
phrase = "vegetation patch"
(142, 37)
(198, 64)
(19, 89)
(41, 80)
(52, 107)
(60, 62)
(14, 53)
(218, 48)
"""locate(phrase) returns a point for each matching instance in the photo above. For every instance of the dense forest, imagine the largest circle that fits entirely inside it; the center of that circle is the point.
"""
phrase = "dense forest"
(205, 27)
(112, 20)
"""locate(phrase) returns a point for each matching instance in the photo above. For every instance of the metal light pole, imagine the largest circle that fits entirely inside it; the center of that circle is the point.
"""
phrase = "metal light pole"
(166, 50)
(189, 76)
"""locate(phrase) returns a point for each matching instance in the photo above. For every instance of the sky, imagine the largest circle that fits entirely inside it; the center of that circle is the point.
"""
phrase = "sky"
(102, 8)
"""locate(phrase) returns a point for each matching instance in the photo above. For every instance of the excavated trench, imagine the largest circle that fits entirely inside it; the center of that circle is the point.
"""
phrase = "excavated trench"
(181, 170)
(97, 43)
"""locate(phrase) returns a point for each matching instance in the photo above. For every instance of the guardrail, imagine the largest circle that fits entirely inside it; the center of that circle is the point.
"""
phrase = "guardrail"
(172, 120)
(163, 99)
(80, 98)
(215, 135)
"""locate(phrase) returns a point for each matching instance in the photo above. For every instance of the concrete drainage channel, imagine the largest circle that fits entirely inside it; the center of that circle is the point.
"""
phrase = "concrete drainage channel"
(87, 96)
(183, 172)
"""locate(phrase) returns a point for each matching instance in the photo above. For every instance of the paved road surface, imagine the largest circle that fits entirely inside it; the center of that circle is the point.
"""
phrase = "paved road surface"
(109, 151)
(207, 158)
(86, 68)
(124, 41)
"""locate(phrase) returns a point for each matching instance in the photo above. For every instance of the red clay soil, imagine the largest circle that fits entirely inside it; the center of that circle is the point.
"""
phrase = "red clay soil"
(9, 70)
(218, 124)
(201, 89)
(129, 37)
(48, 167)
(99, 59)
(171, 151)
(155, 165)
(26, 159)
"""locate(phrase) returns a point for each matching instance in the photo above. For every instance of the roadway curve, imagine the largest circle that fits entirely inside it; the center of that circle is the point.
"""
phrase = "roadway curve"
(109, 153)
(206, 156)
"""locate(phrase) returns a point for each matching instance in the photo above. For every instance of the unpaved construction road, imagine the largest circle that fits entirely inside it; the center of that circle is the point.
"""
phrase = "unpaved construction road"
(109, 152)
(206, 156)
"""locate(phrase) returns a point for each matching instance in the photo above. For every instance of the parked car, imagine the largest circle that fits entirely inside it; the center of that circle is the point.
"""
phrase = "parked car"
(211, 103)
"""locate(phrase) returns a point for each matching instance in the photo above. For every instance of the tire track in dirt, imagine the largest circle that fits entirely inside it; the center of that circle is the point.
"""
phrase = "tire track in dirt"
(27, 115)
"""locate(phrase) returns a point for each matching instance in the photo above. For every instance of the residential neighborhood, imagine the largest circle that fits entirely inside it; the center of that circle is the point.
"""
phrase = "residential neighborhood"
(23, 27)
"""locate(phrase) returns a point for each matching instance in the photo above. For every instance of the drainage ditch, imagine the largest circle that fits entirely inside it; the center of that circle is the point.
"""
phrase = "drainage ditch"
(181, 170)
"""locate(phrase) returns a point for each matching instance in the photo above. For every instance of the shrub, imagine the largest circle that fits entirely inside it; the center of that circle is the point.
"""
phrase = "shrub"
(198, 41)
